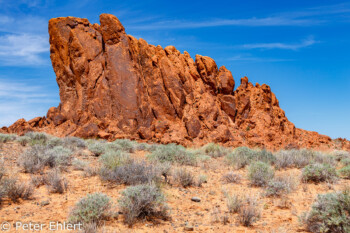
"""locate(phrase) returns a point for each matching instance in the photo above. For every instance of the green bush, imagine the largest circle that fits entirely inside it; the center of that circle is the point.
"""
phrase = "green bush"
(340, 155)
(345, 161)
(329, 213)
(7, 137)
(215, 150)
(23, 140)
(174, 154)
(345, 172)
(93, 208)
(126, 145)
(260, 173)
(142, 202)
(279, 186)
(97, 148)
(37, 138)
(131, 173)
(112, 159)
(319, 173)
(243, 156)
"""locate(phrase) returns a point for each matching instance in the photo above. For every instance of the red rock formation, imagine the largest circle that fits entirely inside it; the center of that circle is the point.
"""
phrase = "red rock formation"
(114, 86)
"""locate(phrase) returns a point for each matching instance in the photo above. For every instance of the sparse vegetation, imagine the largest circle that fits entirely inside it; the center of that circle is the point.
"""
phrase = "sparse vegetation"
(174, 154)
(92, 209)
(97, 148)
(329, 213)
(37, 138)
(279, 186)
(55, 182)
(319, 173)
(14, 190)
(345, 172)
(249, 213)
(260, 173)
(243, 156)
(232, 177)
(7, 137)
(234, 203)
(215, 150)
(184, 177)
(144, 201)
(131, 173)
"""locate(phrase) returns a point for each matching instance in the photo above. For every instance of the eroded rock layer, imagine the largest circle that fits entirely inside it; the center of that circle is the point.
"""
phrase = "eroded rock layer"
(115, 86)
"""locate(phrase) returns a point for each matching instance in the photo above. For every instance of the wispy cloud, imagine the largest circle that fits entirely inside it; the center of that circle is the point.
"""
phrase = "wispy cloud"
(23, 49)
(288, 46)
(22, 99)
(249, 58)
(306, 17)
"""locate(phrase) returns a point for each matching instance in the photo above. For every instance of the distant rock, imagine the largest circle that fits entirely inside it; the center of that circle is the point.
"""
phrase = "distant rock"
(115, 86)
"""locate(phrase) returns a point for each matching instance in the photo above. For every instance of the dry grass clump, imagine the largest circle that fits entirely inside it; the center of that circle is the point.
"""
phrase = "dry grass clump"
(144, 201)
(232, 177)
(131, 173)
(13, 189)
(55, 182)
(184, 177)
(7, 137)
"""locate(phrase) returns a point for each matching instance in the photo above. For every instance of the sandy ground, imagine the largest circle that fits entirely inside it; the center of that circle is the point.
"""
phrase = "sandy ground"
(278, 215)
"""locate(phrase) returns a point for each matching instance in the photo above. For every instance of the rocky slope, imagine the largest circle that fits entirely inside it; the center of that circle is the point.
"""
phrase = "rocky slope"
(115, 86)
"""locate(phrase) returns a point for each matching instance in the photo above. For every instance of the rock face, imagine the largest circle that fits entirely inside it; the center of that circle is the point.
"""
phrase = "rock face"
(115, 86)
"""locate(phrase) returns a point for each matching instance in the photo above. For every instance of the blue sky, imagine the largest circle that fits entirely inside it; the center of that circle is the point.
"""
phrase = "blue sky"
(301, 49)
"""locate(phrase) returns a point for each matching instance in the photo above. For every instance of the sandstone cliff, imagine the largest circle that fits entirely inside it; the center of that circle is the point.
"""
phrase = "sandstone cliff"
(115, 86)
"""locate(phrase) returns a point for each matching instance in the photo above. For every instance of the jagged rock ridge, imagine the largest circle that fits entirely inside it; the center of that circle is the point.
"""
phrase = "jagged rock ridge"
(115, 86)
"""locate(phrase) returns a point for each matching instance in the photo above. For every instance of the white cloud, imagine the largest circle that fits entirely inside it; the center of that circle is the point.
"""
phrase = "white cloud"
(325, 14)
(288, 46)
(248, 58)
(22, 99)
(23, 49)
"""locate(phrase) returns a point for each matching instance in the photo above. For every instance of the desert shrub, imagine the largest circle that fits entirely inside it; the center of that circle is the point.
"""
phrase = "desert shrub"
(90, 171)
(319, 173)
(345, 172)
(7, 137)
(79, 165)
(234, 203)
(53, 142)
(15, 190)
(131, 173)
(201, 180)
(23, 140)
(112, 159)
(340, 155)
(243, 156)
(2, 168)
(93, 208)
(55, 182)
(37, 138)
(142, 202)
(74, 143)
(279, 186)
(174, 154)
(231, 177)
(164, 169)
(184, 177)
(320, 157)
(37, 181)
(215, 150)
(294, 158)
(126, 145)
(37, 157)
(97, 148)
(33, 159)
(345, 161)
(329, 213)
(249, 213)
(260, 173)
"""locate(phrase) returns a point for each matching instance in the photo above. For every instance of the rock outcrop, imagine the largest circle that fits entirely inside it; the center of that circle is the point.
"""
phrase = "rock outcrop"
(115, 86)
